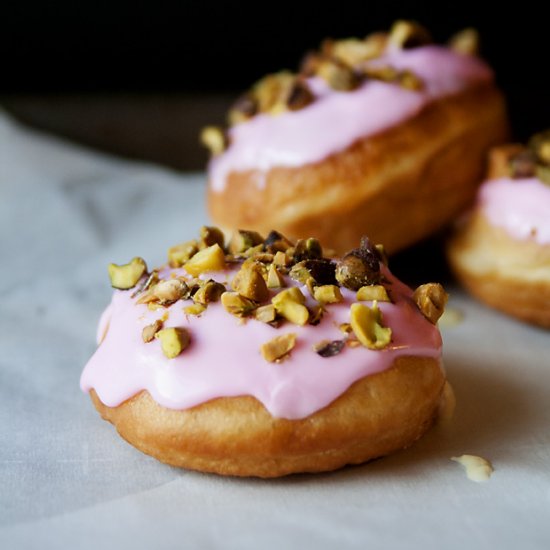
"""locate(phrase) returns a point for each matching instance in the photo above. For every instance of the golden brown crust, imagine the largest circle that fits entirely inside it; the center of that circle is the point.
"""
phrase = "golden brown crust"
(237, 436)
(510, 275)
(397, 186)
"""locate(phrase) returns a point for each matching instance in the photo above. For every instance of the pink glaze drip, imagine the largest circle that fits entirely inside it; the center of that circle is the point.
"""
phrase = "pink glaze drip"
(520, 206)
(337, 119)
(224, 357)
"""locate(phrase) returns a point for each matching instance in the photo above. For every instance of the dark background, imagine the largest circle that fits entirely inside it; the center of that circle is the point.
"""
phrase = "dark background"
(141, 78)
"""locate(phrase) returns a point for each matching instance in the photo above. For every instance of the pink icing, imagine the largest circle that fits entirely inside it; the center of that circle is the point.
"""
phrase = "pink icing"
(520, 206)
(224, 357)
(336, 119)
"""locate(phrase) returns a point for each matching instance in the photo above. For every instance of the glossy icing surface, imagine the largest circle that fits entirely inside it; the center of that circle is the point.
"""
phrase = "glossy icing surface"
(336, 119)
(520, 206)
(224, 357)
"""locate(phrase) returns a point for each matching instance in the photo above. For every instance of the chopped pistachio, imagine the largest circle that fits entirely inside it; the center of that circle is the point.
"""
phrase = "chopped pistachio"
(337, 75)
(316, 314)
(386, 73)
(299, 96)
(359, 267)
(366, 323)
(194, 309)
(276, 242)
(353, 273)
(249, 282)
(353, 51)
(280, 258)
(242, 240)
(265, 314)
(431, 299)
(237, 305)
(327, 294)
(325, 348)
(274, 278)
(148, 283)
(345, 328)
(263, 257)
(300, 273)
(181, 253)
(307, 249)
(170, 291)
(409, 80)
(373, 292)
(465, 42)
(173, 341)
(127, 276)
(272, 90)
(253, 251)
(278, 347)
(211, 291)
(210, 236)
(289, 304)
(214, 139)
(322, 271)
(148, 332)
(207, 259)
(408, 34)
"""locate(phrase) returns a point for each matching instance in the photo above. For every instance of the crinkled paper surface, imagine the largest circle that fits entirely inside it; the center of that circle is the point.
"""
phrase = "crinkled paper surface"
(68, 481)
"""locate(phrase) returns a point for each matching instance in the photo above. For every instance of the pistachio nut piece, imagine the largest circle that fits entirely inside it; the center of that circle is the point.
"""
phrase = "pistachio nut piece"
(278, 347)
(373, 292)
(237, 305)
(289, 304)
(173, 341)
(250, 283)
(207, 259)
(431, 299)
(366, 323)
(124, 277)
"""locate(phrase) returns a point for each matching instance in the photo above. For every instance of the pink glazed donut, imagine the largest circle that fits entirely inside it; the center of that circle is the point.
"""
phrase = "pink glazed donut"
(501, 250)
(264, 358)
(385, 136)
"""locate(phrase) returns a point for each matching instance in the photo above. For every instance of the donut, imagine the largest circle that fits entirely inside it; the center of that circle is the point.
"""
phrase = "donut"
(385, 136)
(264, 358)
(500, 251)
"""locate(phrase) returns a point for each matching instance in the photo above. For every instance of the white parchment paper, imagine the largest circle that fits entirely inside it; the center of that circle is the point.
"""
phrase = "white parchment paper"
(67, 480)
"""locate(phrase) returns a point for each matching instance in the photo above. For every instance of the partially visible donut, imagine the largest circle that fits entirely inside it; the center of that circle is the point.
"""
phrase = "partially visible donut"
(501, 250)
(340, 365)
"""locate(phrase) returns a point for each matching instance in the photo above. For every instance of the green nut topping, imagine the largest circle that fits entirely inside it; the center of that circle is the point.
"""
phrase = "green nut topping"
(289, 304)
(274, 278)
(308, 249)
(127, 276)
(278, 347)
(237, 305)
(207, 259)
(210, 291)
(242, 240)
(173, 341)
(250, 283)
(181, 253)
(373, 292)
(210, 236)
(327, 294)
(431, 300)
(366, 324)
